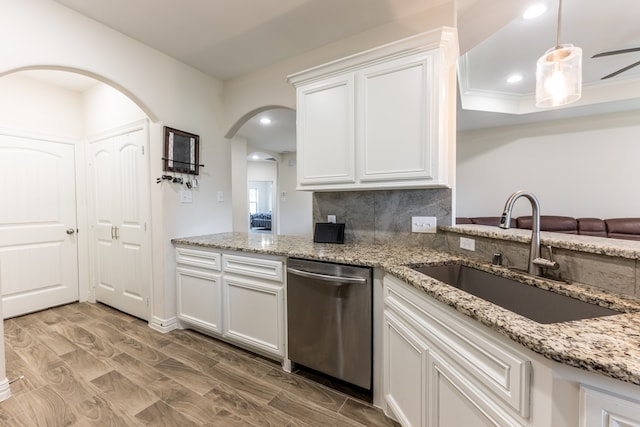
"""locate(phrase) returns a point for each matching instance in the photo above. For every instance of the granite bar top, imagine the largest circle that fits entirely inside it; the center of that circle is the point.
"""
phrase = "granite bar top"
(607, 345)
(596, 245)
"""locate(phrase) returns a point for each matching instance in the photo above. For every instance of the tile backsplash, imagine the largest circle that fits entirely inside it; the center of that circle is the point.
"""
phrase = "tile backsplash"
(385, 216)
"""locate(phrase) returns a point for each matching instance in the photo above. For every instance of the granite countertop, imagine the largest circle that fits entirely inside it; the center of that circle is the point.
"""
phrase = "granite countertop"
(607, 345)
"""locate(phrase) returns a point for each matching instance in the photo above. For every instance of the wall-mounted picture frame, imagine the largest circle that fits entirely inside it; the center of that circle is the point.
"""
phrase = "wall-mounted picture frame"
(181, 151)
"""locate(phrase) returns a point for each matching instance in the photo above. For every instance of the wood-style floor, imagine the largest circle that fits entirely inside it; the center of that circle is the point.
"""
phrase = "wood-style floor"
(89, 365)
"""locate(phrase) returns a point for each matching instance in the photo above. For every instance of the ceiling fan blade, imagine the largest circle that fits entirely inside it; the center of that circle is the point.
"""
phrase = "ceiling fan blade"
(616, 52)
(621, 70)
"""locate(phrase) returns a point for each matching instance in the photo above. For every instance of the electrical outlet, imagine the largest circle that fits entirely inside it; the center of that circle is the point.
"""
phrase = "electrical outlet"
(331, 219)
(220, 196)
(186, 196)
(423, 224)
(468, 244)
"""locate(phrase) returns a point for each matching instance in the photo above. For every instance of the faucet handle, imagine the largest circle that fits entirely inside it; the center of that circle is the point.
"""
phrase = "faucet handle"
(549, 264)
(550, 253)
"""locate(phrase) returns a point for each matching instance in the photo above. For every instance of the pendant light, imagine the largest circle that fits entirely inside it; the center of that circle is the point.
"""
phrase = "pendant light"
(559, 73)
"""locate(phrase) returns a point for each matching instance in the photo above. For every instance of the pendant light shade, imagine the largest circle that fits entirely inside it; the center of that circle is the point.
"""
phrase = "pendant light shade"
(559, 73)
(559, 76)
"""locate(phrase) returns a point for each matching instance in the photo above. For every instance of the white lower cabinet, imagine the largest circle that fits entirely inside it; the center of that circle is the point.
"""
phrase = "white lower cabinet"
(254, 314)
(237, 298)
(441, 368)
(599, 408)
(199, 298)
(198, 289)
(440, 371)
(405, 371)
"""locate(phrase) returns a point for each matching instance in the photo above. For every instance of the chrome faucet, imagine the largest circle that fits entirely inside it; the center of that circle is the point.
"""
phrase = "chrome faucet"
(536, 262)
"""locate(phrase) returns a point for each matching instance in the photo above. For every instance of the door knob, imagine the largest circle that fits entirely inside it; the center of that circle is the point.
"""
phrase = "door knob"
(70, 231)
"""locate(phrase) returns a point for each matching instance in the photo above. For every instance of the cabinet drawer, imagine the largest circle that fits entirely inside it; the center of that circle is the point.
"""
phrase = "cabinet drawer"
(198, 258)
(491, 366)
(254, 267)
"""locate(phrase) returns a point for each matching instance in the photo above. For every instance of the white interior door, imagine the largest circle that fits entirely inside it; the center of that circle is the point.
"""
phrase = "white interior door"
(120, 200)
(38, 243)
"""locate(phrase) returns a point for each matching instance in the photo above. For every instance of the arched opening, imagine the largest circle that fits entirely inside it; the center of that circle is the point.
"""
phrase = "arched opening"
(76, 143)
(264, 174)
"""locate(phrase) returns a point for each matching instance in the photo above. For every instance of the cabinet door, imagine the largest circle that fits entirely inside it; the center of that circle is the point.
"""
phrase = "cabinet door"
(325, 132)
(405, 371)
(199, 299)
(397, 138)
(254, 314)
(600, 409)
(454, 401)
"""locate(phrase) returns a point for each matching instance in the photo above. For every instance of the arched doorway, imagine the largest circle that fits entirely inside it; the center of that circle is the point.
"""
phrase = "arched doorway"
(268, 134)
(58, 120)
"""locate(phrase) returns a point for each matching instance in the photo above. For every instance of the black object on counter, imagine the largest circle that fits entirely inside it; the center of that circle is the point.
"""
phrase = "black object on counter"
(328, 232)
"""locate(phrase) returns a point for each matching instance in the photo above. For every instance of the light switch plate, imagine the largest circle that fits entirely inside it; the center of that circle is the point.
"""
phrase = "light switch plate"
(186, 196)
(423, 224)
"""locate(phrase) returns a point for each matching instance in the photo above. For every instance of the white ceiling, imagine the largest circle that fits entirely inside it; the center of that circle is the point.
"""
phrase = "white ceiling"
(228, 38)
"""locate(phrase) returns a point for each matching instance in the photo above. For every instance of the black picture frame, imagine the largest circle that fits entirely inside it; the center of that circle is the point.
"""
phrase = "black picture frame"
(181, 151)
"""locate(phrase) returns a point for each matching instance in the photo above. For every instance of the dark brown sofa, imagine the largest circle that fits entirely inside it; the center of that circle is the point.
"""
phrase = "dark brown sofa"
(617, 228)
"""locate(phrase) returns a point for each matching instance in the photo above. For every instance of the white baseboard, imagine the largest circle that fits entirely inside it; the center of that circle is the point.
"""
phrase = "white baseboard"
(164, 325)
(5, 390)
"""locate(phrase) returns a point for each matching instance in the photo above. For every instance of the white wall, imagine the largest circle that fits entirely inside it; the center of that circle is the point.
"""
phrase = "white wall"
(42, 33)
(584, 167)
(239, 184)
(30, 105)
(296, 212)
(106, 108)
(262, 171)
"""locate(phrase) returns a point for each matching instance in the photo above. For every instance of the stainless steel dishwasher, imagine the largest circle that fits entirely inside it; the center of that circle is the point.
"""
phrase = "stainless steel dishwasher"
(329, 311)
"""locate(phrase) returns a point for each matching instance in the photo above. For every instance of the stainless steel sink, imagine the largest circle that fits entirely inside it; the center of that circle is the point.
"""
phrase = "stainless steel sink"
(537, 304)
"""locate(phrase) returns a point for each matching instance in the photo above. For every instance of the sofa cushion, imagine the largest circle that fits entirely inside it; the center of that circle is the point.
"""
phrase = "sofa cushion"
(491, 220)
(557, 224)
(623, 228)
(463, 220)
(592, 227)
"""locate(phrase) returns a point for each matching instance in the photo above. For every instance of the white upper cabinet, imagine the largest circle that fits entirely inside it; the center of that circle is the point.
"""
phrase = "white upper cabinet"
(325, 123)
(380, 119)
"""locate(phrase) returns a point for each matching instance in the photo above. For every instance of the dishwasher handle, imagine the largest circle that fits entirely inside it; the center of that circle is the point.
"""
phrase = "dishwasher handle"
(333, 280)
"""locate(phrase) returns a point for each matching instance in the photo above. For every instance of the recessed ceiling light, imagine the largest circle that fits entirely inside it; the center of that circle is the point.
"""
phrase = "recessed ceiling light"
(265, 120)
(514, 78)
(534, 11)
(255, 157)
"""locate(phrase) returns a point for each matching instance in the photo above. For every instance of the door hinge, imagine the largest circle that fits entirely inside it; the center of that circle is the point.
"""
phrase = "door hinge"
(145, 226)
(142, 150)
(147, 300)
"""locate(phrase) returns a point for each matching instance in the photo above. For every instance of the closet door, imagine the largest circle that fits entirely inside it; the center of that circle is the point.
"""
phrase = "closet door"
(120, 199)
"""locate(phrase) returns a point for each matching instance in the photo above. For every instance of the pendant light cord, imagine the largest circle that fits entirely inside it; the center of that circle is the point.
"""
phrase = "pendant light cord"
(559, 20)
